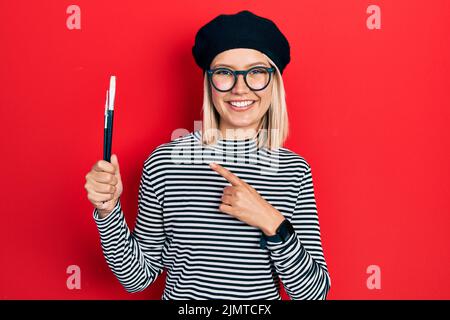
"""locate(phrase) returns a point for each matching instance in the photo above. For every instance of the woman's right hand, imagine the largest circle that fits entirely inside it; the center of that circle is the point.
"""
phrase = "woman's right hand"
(104, 185)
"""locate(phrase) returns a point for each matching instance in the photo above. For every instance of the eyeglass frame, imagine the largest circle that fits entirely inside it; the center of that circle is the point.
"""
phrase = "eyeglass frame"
(236, 73)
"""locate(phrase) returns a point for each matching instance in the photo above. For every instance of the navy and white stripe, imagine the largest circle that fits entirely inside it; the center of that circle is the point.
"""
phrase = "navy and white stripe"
(209, 254)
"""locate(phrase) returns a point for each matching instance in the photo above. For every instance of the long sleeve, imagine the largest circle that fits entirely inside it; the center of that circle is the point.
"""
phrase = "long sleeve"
(299, 261)
(135, 257)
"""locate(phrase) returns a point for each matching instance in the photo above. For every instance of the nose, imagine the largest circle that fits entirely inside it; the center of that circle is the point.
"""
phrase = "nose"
(240, 86)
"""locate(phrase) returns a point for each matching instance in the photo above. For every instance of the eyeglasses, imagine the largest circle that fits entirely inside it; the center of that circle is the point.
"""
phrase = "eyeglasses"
(256, 78)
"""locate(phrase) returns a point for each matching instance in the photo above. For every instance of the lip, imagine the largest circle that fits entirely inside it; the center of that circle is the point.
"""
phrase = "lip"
(229, 105)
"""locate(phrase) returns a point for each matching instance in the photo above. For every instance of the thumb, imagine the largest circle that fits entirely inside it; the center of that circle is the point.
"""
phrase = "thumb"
(115, 163)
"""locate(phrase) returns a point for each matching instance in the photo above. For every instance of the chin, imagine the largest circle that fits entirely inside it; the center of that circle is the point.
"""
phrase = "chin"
(240, 124)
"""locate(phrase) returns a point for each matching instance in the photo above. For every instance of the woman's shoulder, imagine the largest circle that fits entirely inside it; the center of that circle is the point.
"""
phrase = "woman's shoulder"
(293, 158)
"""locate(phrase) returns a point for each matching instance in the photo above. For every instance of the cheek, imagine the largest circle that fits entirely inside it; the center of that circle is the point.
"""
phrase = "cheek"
(217, 98)
(265, 100)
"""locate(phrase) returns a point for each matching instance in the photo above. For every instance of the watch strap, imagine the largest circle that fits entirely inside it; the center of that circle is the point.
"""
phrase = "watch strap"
(282, 234)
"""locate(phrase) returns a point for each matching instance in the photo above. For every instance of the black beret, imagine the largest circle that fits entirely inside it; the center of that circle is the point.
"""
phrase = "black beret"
(241, 30)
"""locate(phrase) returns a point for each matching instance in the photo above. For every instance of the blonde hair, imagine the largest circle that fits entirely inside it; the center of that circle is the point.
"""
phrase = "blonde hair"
(273, 128)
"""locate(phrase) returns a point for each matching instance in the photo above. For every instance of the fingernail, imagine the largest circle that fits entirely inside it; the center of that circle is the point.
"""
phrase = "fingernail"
(212, 165)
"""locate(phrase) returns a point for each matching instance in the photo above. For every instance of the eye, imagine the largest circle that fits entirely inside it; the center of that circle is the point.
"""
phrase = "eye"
(258, 71)
(223, 72)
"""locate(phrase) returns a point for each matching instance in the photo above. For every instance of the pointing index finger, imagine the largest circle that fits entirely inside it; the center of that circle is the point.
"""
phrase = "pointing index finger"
(227, 174)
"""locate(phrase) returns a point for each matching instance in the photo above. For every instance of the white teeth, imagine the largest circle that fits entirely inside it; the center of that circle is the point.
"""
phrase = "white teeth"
(241, 104)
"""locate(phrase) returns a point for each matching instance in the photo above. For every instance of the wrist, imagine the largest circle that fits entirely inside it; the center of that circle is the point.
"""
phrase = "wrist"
(272, 225)
(102, 214)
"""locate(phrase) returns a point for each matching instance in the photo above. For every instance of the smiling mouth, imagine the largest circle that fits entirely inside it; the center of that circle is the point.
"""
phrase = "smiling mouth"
(240, 106)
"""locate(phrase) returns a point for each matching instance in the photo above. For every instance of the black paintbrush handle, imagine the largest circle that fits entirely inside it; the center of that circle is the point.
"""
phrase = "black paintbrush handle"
(105, 138)
(109, 130)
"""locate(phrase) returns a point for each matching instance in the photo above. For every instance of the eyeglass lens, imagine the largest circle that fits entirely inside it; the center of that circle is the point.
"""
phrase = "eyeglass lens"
(256, 78)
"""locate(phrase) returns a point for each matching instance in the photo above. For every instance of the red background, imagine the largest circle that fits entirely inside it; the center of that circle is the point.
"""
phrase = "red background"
(368, 110)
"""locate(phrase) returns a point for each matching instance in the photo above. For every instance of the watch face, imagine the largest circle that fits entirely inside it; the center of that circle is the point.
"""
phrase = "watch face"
(291, 228)
(286, 229)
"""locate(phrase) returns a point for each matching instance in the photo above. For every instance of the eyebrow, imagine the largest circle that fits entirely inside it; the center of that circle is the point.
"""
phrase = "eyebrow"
(249, 65)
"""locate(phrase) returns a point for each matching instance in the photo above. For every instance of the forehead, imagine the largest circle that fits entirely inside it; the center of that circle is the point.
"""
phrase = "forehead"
(239, 58)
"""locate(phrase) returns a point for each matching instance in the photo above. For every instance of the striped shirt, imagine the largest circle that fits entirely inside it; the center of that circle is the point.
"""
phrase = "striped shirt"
(209, 254)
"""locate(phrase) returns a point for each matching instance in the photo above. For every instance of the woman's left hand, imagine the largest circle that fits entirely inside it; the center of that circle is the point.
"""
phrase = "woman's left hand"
(242, 201)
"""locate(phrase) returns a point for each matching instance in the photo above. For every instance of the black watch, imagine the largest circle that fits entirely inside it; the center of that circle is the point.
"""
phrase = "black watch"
(282, 234)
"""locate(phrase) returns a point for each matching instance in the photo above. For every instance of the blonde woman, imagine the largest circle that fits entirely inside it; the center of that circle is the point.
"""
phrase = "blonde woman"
(226, 210)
